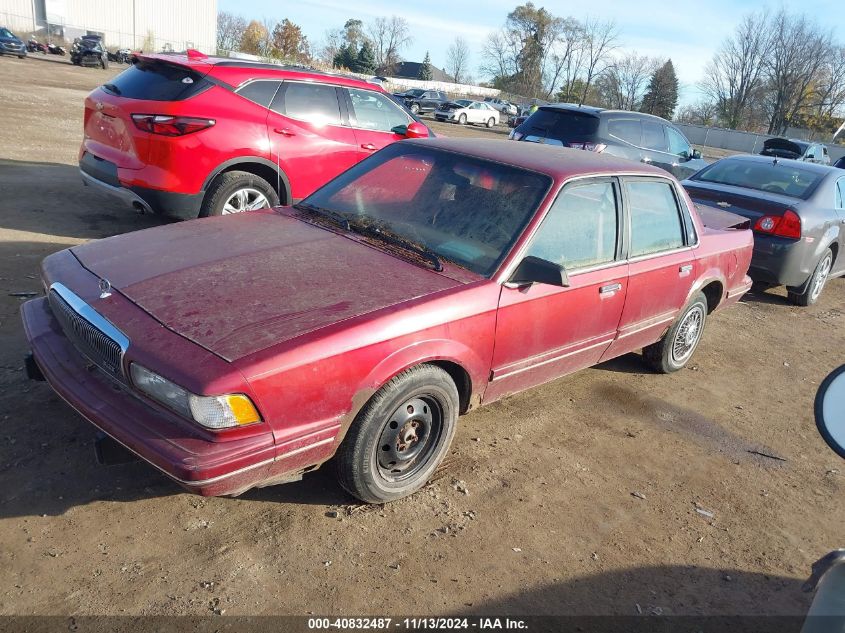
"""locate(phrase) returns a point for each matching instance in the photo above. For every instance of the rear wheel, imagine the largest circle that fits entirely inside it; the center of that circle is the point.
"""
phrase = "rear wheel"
(400, 436)
(236, 192)
(677, 346)
(491, 122)
(104, 62)
(816, 284)
(415, 108)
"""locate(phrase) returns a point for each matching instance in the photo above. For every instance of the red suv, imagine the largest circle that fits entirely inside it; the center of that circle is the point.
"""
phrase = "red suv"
(187, 135)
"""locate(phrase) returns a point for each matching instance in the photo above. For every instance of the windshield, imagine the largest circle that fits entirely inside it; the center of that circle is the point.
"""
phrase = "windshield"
(461, 208)
(784, 178)
(463, 102)
(6, 33)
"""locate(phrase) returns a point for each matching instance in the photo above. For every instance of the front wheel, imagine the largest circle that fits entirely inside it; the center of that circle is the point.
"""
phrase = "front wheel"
(462, 119)
(236, 192)
(415, 108)
(677, 346)
(400, 436)
(491, 122)
(816, 284)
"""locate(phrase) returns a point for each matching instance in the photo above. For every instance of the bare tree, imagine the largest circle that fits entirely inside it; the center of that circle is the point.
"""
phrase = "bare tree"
(566, 59)
(797, 55)
(332, 40)
(497, 56)
(457, 59)
(829, 94)
(230, 30)
(389, 36)
(599, 42)
(701, 113)
(624, 82)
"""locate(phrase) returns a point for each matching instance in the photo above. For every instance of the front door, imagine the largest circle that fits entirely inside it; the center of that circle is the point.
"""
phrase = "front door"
(309, 141)
(662, 263)
(373, 116)
(544, 331)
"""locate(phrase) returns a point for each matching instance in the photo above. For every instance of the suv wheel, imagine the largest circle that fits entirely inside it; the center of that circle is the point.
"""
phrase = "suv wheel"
(415, 108)
(236, 192)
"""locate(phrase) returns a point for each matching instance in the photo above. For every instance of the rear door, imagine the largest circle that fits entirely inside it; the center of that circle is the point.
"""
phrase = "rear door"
(544, 331)
(373, 116)
(309, 140)
(662, 263)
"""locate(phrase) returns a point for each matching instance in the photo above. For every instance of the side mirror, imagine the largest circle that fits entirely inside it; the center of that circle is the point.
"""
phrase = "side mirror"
(830, 410)
(414, 129)
(696, 154)
(535, 270)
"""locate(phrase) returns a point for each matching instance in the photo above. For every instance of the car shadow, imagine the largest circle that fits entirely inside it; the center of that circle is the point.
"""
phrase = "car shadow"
(631, 363)
(770, 295)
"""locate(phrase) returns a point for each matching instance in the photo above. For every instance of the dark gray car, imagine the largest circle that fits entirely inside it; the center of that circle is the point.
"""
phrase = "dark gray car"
(11, 44)
(797, 211)
(633, 135)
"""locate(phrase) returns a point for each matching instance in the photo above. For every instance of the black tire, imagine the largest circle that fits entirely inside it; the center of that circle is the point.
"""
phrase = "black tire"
(462, 120)
(373, 463)
(673, 352)
(227, 184)
(815, 284)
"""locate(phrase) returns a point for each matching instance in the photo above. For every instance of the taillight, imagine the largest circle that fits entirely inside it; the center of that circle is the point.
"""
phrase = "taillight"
(167, 125)
(786, 225)
(590, 147)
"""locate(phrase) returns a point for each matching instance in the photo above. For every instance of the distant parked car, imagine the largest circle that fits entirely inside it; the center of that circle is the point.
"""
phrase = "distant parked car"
(797, 213)
(187, 135)
(11, 44)
(434, 277)
(796, 150)
(465, 111)
(505, 107)
(632, 135)
(418, 101)
(88, 50)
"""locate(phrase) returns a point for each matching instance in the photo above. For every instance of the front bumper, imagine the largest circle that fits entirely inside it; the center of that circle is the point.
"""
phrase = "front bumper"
(154, 434)
(782, 261)
(13, 50)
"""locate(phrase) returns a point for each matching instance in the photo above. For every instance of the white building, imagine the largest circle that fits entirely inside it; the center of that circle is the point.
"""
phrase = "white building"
(150, 25)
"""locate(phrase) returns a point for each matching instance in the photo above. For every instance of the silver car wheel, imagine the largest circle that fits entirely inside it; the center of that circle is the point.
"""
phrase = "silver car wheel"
(821, 277)
(247, 199)
(688, 335)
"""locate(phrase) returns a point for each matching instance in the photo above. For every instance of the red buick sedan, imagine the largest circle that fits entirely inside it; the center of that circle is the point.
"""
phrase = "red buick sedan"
(434, 277)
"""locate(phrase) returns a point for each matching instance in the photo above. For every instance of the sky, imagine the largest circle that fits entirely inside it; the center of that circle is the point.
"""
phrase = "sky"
(688, 33)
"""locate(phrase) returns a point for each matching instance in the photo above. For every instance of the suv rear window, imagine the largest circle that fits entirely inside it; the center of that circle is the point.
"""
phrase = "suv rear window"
(560, 125)
(157, 81)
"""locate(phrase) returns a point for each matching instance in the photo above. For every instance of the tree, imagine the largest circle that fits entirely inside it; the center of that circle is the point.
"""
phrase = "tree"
(346, 57)
(457, 59)
(734, 78)
(389, 36)
(230, 30)
(353, 33)
(289, 42)
(624, 83)
(254, 38)
(702, 113)
(425, 68)
(332, 41)
(365, 63)
(599, 42)
(661, 98)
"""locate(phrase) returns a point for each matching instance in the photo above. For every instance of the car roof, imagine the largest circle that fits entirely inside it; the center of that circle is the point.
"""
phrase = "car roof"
(255, 70)
(558, 162)
(757, 158)
(598, 112)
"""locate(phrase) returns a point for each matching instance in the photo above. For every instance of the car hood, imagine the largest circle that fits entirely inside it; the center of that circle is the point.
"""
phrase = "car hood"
(239, 284)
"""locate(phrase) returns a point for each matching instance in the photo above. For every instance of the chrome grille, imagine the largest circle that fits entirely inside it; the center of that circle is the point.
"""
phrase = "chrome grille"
(91, 341)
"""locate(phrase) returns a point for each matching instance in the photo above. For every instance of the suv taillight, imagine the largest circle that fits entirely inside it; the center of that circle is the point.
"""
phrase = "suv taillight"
(786, 225)
(590, 147)
(167, 125)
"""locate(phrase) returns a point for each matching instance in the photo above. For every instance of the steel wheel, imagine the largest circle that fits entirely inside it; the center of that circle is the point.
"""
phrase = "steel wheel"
(688, 334)
(821, 277)
(409, 438)
(247, 199)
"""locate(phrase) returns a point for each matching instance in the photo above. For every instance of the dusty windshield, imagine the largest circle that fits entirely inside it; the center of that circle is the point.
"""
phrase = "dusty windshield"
(461, 208)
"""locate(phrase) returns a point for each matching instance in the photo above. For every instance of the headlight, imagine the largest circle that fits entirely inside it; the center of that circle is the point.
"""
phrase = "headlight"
(213, 412)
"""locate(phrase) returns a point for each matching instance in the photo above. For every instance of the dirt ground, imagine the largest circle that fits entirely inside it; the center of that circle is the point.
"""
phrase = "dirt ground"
(549, 523)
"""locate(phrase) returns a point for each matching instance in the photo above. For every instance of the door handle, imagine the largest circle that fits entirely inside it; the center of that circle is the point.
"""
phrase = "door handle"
(685, 270)
(369, 147)
(610, 289)
(284, 131)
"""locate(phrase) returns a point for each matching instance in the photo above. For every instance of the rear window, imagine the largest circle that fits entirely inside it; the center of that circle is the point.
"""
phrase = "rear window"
(156, 81)
(563, 126)
(775, 177)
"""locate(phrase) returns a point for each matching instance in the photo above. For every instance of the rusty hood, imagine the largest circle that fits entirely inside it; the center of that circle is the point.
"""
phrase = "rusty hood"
(239, 284)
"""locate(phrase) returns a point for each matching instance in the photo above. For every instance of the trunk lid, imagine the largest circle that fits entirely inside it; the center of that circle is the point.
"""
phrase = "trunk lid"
(737, 200)
(239, 284)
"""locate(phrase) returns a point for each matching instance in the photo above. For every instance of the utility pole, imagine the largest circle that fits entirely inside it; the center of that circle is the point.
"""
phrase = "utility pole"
(134, 34)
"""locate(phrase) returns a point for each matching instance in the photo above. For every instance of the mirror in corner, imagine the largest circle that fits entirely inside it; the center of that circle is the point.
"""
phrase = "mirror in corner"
(830, 410)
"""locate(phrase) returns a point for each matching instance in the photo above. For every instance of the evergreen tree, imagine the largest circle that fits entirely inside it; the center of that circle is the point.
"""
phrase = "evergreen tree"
(661, 98)
(425, 68)
(346, 57)
(365, 63)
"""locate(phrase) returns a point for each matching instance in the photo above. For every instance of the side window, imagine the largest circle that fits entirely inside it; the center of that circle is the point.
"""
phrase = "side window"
(261, 92)
(581, 227)
(628, 130)
(655, 218)
(678, 145)
(374, 111)
(653, 136)
(315, 103)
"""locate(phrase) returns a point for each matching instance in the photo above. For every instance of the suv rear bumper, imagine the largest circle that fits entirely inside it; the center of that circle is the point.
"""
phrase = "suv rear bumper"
(177, 205)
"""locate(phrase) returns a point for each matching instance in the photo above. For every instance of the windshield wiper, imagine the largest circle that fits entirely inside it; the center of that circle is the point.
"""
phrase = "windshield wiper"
(338, 218)
(372, 228)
